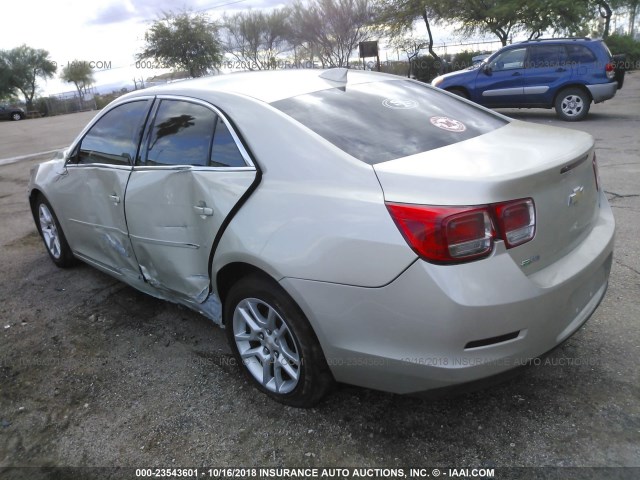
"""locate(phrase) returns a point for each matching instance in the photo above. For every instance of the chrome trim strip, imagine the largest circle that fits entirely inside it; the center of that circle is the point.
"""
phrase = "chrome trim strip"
(193, 168)
(104, 227)
(165, 242)
(574, 164)
(100, 165)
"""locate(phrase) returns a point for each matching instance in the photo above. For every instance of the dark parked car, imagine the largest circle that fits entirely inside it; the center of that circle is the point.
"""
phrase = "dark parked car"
(562, 73)
(11, 113)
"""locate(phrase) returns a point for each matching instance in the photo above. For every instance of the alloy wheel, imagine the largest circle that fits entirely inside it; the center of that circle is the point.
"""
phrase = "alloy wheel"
(266, 345)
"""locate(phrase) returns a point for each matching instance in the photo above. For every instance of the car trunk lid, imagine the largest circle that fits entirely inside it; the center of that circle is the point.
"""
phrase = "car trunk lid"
(552, 166)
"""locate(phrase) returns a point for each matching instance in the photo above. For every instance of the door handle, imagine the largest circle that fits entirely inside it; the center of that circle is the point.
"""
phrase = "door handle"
(561, 69)
(205, 211)
(115, 198)
(516, 74)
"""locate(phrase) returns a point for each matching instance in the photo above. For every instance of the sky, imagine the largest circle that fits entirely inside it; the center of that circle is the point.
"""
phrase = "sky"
(105, 32)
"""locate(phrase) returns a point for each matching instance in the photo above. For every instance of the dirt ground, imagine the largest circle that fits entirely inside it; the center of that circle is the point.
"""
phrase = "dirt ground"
(95, 374)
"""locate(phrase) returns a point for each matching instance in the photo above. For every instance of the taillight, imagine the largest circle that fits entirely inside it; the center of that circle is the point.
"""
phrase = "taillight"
(516, 221)
(596, 173)
(610, 70)
(460, 234)
(445, 234)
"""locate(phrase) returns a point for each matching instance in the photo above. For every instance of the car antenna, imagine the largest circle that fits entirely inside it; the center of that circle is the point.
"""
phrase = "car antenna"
(335, 74)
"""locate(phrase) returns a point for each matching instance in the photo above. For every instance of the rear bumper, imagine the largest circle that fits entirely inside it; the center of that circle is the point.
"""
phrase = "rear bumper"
(603, 91)
(420, 332)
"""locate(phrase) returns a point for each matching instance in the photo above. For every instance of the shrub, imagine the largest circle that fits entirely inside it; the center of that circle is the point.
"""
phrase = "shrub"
(624, 44)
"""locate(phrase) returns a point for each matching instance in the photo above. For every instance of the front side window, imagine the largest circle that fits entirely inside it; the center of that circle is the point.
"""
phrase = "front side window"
(114, 138)
(181, 134)
(509, 60)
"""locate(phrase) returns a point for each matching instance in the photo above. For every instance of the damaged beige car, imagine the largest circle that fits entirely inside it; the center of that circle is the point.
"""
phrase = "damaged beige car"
(340, 225)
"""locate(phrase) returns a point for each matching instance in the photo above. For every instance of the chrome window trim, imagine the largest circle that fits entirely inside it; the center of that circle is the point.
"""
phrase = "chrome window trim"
(245, 155)
(100, 165)
(195, 168)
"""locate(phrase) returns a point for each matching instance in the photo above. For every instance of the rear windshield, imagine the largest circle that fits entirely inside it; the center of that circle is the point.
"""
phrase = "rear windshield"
(380, 121)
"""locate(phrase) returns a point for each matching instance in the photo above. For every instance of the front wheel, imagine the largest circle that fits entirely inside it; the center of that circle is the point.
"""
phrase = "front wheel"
(15, 116)
(274, 344)
(572, 104)
(52, 235)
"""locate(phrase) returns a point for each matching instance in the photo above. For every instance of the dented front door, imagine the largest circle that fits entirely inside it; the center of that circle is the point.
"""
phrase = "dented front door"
(90, 191)
(185, 184)
(92, 198)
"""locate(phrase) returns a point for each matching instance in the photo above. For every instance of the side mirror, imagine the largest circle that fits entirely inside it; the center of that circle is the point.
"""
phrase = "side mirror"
(71, 157)
(487, 69)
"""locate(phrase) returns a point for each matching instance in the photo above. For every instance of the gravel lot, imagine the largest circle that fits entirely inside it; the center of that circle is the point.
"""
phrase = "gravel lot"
(93, 373)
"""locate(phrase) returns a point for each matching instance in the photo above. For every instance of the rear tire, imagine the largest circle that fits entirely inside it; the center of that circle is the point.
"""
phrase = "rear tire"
(274, 344)
(572, 104)
(52, 235)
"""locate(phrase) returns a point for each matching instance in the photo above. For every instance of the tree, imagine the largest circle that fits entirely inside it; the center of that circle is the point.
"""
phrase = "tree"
(399, 16)
(5, 86)
(559, 16)
(411, 47)
(24, 65)
(184, 41)
(256, 38)
(332, 29)
(503, 18)
(632, 11)
(80, 74)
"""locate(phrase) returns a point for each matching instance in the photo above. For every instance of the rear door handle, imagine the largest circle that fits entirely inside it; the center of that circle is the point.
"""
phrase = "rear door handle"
(115, 198)
(206, 211)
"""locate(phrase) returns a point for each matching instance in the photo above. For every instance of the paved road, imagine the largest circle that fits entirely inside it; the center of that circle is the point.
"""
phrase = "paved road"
(36, 135)
(94, 373)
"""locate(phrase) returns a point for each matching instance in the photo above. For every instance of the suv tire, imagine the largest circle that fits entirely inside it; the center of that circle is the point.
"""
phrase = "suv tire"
(572, 104)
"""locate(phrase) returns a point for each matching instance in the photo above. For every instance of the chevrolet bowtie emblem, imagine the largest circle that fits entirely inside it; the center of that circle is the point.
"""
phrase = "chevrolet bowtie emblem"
(574, 198)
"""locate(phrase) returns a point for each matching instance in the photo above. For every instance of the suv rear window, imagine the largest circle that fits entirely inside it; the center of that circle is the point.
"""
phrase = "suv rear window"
(380, 121)
(580, 54)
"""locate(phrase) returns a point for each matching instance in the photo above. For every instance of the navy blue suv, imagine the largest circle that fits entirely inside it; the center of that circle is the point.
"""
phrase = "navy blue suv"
(562, 73)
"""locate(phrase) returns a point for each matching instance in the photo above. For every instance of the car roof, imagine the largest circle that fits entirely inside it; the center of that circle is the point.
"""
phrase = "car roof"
(267, 86)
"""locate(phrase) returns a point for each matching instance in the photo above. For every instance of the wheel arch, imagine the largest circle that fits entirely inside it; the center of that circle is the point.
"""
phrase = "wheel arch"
(231, 273)
(579, 86)
(33, 196)
(453, 88)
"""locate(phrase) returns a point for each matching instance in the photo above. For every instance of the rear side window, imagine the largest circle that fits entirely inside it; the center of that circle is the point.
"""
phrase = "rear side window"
(181, 134)
(380, 121)
(114, 138)
(541, 56)
(224, 152)
(580, 54)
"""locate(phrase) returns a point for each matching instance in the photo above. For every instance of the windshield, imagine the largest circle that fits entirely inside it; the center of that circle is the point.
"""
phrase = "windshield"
(381, 121)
